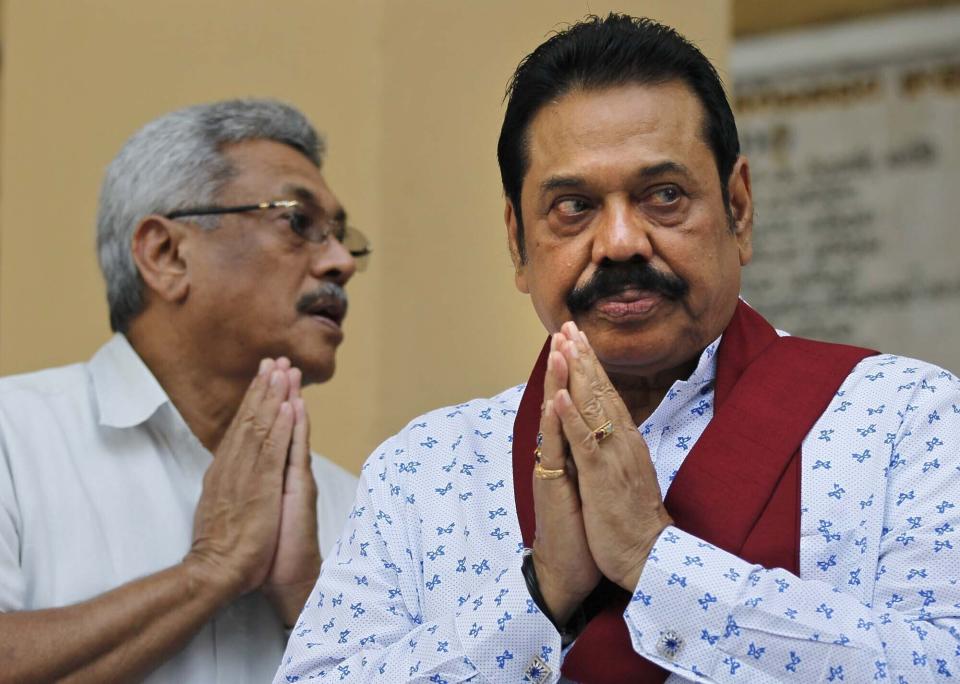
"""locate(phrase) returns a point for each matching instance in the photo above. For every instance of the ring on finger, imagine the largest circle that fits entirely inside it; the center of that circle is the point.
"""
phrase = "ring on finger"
(542, 473)
(602, 432)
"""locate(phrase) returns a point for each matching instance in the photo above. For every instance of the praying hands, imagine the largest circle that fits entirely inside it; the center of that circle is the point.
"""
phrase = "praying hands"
(598, 505)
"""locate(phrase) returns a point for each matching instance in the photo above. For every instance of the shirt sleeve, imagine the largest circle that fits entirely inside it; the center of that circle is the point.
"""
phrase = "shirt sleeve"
(11, 576)
(709, 616)
(364, 620)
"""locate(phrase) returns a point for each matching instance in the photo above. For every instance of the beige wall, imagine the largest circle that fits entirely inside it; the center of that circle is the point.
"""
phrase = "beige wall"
(409, 93)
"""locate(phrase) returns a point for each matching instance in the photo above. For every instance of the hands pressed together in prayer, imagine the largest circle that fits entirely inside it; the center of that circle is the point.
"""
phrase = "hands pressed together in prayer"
(596, 498)
(256, 521)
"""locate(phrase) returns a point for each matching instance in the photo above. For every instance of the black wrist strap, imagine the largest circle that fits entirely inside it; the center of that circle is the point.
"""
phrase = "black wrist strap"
(577, 621)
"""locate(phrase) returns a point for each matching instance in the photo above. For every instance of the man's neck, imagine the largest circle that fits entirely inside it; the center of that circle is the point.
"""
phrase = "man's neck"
(642, 394)
(206, 401)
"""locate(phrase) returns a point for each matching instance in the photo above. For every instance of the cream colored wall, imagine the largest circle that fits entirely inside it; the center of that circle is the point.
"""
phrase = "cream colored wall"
(409, 94)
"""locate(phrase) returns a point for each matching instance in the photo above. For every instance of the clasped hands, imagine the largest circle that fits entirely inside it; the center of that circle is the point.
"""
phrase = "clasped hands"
(603, 515)
(255, 526)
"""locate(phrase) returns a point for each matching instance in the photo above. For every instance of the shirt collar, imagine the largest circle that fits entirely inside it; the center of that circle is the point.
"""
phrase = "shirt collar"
(706, 370)
(127, 393)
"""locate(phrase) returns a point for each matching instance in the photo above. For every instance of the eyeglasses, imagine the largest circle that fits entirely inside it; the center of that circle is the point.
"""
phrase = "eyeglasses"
(303, 223)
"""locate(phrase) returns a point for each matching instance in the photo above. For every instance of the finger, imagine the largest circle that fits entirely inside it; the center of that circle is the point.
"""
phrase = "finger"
(259, 418)
(283, 363)
(610, 401)
(252, 398)
(258, 386)
(295, 376)
(553, 454)
(575, 430)
(554, 379)
(552, 451)
(556, 376)
(300, 441)
(275, 447)
(583, 390)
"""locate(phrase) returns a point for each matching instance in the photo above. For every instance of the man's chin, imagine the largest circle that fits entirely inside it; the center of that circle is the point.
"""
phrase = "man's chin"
(315, 373)
(631, 345)
(317, 361)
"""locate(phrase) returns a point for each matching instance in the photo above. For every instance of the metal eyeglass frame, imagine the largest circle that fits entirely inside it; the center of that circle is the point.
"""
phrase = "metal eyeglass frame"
(355, 241)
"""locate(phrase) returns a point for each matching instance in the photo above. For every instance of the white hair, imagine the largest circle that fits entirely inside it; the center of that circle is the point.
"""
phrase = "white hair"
(177, 162)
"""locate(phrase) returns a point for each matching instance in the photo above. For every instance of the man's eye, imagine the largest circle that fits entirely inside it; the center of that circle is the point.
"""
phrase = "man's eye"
(668, 194)
(299, 222)
(572, 206)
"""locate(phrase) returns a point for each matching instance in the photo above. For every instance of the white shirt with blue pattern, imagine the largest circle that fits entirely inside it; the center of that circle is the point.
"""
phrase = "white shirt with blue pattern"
(425, 584)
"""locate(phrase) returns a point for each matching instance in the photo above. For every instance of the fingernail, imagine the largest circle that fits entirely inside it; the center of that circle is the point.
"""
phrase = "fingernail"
(275, 378)
(574, 352)
(583, 336)
(264, 363)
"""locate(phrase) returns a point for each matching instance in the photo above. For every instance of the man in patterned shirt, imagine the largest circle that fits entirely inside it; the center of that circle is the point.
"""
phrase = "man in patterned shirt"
(678, 492)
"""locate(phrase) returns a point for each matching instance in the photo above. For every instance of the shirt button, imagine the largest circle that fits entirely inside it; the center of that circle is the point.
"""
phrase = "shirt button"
(669, 644)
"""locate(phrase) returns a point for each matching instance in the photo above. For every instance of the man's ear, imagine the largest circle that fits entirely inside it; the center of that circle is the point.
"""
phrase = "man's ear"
(741, 208)
(513, 240)
(159, 255)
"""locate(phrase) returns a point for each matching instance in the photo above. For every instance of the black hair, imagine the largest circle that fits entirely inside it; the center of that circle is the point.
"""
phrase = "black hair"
(599, 53)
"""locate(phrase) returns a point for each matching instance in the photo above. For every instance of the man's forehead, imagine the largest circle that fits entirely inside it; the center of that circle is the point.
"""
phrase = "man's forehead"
(664, 118)
(268, 158)
(275, 170)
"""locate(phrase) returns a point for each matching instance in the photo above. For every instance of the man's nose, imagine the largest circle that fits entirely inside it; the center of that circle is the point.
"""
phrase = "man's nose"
(621, 233)
(332, 261)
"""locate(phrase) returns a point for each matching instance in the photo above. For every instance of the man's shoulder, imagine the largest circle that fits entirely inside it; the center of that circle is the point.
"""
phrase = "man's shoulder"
(476, 423)
(889, 365)
(45, 385)
(895, 380)
(495, 410)
(879, 365)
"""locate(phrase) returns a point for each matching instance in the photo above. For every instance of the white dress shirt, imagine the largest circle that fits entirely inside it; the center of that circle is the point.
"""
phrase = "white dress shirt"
(99, 480)
(426, 586)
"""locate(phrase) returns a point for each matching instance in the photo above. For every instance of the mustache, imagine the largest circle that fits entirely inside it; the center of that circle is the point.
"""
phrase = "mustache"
(613, 278)
(325, 295)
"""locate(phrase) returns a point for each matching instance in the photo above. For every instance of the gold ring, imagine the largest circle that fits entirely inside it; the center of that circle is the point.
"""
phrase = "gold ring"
(542, 473)
(537, 454)
(604, 431)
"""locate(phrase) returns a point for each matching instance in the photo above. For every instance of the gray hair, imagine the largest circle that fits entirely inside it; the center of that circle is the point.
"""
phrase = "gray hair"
(177, 162)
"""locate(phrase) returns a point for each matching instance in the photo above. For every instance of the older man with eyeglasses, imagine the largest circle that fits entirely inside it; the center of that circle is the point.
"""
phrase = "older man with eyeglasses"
(161, 515)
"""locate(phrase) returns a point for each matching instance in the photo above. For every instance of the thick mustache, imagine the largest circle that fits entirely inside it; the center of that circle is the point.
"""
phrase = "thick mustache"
(327, 293)
(611, 280)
